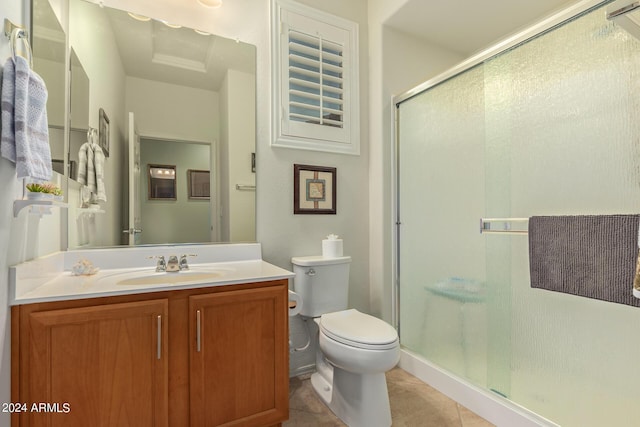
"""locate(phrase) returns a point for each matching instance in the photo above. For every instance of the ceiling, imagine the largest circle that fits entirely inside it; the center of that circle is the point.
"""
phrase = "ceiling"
(462, 27)
(154, 51)
(466, 26)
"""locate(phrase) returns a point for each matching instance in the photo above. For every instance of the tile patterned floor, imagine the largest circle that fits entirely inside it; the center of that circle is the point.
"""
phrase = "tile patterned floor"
(413, 404)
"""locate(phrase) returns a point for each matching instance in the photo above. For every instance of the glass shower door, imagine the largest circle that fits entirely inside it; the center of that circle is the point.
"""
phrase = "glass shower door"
(443, 285)
(550, 127)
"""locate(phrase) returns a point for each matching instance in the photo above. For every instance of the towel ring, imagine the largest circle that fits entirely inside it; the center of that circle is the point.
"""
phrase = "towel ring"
(19, 34)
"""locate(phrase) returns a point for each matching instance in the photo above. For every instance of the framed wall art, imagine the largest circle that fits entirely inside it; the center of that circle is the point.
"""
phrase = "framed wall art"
(162, 182)
(103, 132)
(198, 184)
(314, 190)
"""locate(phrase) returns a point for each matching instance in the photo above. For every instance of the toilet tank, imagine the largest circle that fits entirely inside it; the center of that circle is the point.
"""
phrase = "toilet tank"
(322, 283)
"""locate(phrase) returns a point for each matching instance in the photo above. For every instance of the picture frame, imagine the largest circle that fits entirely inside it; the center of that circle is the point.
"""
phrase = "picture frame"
(162, 182)
(198, 184)
(314, 189)
(103, 132)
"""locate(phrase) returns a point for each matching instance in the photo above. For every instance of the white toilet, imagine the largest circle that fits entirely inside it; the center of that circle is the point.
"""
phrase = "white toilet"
(355, 349)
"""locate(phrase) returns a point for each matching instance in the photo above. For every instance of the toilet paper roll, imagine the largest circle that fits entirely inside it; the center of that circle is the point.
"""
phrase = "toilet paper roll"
(295, 303)
(332, 248)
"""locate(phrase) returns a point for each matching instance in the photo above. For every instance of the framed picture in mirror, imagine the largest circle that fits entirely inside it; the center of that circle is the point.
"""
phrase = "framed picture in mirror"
(103, 132)
(162, 182)
(198, 184)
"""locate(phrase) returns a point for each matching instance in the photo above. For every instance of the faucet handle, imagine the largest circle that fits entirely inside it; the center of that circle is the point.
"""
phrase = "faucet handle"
(184, 265)
(161, 265)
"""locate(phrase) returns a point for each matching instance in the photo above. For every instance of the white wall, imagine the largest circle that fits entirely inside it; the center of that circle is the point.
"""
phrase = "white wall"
(241, 131)
(397, 63)
(173, 112)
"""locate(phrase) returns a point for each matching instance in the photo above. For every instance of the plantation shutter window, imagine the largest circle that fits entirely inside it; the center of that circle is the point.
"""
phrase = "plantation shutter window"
(315, 80)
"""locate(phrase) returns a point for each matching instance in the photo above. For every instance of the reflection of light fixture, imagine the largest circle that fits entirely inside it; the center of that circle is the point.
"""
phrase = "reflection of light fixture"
(210, 3)
(203, 33)
(161, 173)
(171, 25)
(139, 17)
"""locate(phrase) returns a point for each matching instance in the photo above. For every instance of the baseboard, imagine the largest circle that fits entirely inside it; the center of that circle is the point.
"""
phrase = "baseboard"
(492, 407)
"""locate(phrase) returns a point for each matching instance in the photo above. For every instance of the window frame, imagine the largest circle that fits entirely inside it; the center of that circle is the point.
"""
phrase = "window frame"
(287, 14)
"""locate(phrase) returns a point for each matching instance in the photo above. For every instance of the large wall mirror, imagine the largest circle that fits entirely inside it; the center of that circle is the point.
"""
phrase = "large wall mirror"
(173, 95)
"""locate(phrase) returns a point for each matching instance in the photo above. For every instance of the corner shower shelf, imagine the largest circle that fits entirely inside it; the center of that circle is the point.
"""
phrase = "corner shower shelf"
(40, 207)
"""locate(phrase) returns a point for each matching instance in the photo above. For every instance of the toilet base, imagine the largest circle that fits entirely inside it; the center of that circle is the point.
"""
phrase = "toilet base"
(359, 400)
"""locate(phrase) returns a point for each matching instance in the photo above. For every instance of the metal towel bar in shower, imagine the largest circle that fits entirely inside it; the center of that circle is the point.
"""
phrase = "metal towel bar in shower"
(485, 225)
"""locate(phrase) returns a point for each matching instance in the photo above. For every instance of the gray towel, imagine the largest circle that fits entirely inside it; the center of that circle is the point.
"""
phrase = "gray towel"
(91, 171)
(25, 135)
(592, 256)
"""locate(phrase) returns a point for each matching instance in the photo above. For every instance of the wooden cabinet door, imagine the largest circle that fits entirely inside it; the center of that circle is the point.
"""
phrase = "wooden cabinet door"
(239, 357)
(108, 363)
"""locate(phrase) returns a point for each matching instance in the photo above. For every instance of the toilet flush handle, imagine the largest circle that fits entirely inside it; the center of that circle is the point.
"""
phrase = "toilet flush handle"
(310, 272)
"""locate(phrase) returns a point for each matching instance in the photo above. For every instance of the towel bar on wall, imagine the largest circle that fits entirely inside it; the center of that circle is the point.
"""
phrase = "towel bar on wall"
(507, 226)
(241, 187)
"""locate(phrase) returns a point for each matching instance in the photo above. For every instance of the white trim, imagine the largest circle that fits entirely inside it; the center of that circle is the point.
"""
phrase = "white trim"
(349, 142)
(492, 407)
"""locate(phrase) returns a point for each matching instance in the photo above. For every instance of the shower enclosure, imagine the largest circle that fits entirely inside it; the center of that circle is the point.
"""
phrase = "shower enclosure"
(550, 126)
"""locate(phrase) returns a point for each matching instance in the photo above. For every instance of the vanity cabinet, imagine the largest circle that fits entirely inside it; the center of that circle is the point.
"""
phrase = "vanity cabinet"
(104, 362)
(235, 360)
(214, 356)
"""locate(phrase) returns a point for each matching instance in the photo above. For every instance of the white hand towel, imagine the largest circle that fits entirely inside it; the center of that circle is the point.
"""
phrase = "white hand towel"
(98, 166)
(86, 173)
(91, 171)
(25, 140)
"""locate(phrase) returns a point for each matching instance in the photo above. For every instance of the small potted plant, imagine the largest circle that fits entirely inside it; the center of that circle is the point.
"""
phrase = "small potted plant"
(38, 191)
(45, 191)
(54, 190)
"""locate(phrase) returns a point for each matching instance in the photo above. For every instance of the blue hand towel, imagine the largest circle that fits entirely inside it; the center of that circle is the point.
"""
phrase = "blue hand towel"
(25, 135)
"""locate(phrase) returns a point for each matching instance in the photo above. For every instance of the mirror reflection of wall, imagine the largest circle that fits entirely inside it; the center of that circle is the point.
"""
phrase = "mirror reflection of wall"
(48, 45)
(181, 219)
(79, 109)
(192, 87)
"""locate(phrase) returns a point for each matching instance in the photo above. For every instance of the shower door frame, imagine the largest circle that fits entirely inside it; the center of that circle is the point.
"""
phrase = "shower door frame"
(545, 25)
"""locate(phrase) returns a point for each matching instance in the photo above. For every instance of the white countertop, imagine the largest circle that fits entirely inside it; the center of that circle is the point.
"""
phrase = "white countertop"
(46, 279)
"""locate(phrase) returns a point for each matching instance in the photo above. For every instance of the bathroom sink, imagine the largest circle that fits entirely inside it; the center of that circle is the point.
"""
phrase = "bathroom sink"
(149, 276)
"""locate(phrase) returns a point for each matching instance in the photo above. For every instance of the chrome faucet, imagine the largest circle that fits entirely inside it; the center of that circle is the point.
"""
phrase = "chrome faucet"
(161, 265)
(183, 262)
(173, 264)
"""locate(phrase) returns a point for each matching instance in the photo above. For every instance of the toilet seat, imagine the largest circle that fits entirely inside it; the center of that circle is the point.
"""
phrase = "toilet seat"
(356, 329)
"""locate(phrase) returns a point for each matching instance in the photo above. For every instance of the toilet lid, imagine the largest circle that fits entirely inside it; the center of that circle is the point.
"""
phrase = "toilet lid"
(357, 329)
